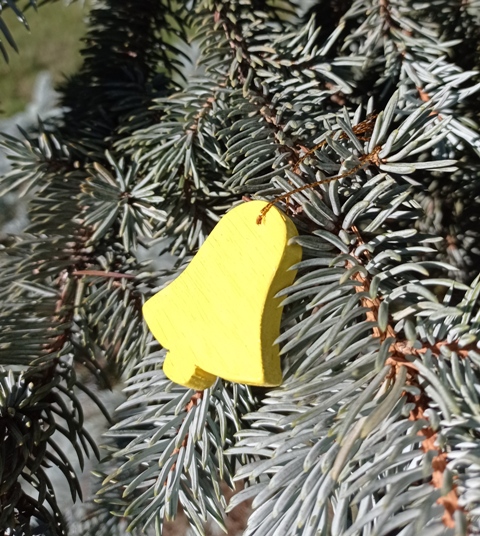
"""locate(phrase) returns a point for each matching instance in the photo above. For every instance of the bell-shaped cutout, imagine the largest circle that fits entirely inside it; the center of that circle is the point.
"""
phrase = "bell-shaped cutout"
(220, 316)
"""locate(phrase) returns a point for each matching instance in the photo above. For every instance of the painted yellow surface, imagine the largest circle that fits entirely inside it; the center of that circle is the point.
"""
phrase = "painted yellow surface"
(220, 316)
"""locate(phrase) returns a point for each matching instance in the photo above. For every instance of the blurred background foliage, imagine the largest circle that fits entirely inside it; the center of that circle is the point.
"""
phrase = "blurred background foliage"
(53, 44)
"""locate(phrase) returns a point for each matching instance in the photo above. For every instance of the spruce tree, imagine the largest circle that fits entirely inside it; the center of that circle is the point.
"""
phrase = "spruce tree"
(359, 119)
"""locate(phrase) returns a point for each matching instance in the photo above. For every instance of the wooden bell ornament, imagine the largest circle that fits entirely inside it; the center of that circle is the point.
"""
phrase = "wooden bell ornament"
(220, 317)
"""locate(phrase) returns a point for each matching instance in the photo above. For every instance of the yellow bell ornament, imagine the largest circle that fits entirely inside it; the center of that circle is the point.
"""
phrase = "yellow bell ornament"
(220, 317)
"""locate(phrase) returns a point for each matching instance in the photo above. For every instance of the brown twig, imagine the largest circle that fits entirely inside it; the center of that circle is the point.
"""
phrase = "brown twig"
(100, 273)
(194, 401)
(400, 351)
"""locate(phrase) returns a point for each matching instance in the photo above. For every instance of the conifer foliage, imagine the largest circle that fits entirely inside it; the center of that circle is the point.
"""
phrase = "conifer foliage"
(358, 118)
